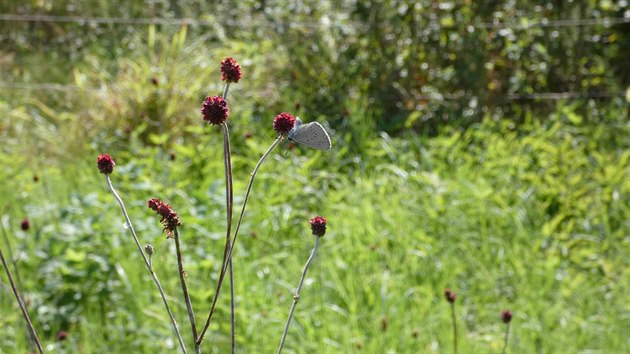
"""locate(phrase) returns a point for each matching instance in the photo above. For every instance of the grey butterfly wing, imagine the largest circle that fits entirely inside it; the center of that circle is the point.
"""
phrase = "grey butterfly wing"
(312, 135)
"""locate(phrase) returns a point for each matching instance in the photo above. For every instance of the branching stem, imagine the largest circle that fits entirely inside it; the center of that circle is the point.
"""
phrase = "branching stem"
(21, 304)
(296, 296)
(10, 252)
(229, 206)
(230, 248)
(147, 263)
(182, 278)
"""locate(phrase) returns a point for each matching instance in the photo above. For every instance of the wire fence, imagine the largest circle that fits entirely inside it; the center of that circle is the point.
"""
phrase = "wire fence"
(542, 96)
(520, 24)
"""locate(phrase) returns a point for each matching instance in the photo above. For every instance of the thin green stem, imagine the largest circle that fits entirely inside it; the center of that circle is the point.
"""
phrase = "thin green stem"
(225, 91)
(507, 336)
(231, 246)
(229, 201)
(232, 307)
(229, 205)
(182, 278)
(454, 327)
(5, 235)
(296, 296)
(21, 304)
(147, 263)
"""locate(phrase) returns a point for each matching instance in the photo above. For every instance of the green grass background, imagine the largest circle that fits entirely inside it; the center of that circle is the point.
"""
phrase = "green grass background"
(535, 222)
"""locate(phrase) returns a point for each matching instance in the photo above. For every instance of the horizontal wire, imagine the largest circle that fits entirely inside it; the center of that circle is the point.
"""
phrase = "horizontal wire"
(563, 95)
(128, 21)
(526, 23)
(522, 97)
(430, 97)
(40, 86)
(522, 23)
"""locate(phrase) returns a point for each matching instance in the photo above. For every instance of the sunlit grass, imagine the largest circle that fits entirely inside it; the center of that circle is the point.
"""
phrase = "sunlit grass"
(476, 212)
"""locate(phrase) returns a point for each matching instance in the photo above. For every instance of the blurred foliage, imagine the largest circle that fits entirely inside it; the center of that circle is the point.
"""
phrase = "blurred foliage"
(534, 219)
(408, 64)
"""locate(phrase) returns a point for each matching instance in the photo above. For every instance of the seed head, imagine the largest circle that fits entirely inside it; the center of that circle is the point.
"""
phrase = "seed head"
(25, 224)
(283, 123)
(62, 335)
(170, 219)
(318, 225)
(149, 249)
(384, 324)
(230, 71)
(450, 295)
(105, 163)
(506, 316)
(214, 110)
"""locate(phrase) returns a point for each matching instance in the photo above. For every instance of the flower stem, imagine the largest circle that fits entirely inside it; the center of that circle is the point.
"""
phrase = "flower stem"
(507, 336)
(232, 307)
(230, 249)
(454, 327)
(21, 304)
(182, 278)
(10, 252)
(225, 91)
(296, 296)
(229, 204)
(146, 262)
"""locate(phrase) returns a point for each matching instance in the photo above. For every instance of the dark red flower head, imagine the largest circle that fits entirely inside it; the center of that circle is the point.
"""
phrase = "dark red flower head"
(450, 295)
(231, 72)
(105, 163)
(318, 225)
(214, 110)
(283, 123)
(62, 335)
(506, 316)
(170, 219)
(25, 225)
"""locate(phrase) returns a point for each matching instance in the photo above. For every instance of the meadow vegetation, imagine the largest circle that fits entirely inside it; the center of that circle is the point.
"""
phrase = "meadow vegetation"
(443, 174)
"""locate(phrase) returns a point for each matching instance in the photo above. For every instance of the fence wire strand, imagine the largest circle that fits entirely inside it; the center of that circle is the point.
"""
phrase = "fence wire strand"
(520, 24)
(542, 96)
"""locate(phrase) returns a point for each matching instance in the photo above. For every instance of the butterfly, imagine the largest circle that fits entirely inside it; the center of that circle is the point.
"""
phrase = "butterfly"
(312, 135)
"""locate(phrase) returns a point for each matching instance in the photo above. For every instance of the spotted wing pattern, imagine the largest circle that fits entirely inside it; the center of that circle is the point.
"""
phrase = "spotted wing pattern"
(312, 135)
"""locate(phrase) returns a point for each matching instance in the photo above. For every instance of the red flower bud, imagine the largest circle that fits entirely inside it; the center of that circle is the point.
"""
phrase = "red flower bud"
(25, 224)
(214, 110)
(318, 225)
(506, 316)
(283, 123)
(450, 295)
(170, 219)
(105, 163)
(230, 71)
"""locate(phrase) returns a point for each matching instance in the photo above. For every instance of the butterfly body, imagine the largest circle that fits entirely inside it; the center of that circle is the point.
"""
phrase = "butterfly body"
(311, 134)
